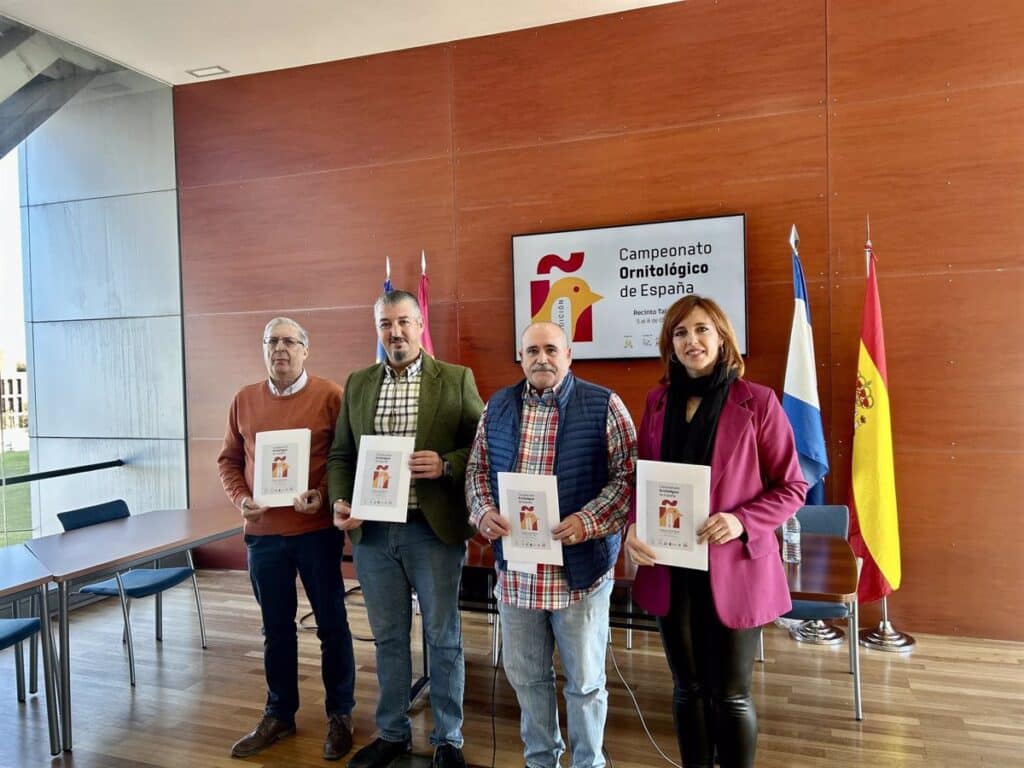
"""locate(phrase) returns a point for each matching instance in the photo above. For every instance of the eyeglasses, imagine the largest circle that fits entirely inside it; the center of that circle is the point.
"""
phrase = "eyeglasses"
(288, 341)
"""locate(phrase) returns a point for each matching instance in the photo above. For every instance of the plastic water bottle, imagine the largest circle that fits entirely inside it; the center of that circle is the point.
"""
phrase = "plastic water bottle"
(791, 540)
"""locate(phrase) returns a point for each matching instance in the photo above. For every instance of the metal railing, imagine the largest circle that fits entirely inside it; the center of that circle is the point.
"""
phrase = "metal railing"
(32, 476)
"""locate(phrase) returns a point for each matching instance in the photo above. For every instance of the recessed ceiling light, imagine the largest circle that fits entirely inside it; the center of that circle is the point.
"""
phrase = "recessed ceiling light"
(208, 71)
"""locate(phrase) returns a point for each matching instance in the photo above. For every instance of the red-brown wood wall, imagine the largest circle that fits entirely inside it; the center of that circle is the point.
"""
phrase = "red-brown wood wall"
(295, 184)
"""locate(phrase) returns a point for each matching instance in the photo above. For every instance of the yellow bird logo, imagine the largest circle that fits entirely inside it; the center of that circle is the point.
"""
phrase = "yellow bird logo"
(567, 300)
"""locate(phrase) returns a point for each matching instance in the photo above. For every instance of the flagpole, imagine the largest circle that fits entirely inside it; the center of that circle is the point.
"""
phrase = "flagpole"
(883, 637)
(815, 631)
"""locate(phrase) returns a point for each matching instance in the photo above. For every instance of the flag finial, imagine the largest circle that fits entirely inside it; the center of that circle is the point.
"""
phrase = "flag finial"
(868, 250)
(423, 262)
(387, 267)
(794, 240)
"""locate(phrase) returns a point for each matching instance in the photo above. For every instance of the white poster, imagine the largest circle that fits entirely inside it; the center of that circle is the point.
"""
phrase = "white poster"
(282, 466)
(672, 503)
(382, 478)
(530, 504)
(609, 287)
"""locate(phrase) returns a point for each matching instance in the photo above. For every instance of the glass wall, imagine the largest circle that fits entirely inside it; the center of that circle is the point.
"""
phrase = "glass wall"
(90, 290)
(15, 505)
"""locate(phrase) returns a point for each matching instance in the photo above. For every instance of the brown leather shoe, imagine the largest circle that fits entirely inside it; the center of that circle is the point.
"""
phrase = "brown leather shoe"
(266, 732)
(339, 737)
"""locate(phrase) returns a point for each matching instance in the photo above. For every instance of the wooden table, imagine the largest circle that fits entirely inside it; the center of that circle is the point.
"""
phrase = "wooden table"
(115, 546)
(827, 573)
(20, 573)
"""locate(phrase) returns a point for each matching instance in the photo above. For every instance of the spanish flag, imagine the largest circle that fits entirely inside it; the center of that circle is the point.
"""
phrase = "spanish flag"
(874, 531)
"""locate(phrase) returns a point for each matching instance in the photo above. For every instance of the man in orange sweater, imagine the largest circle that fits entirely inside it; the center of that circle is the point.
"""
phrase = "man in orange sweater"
(283, 541)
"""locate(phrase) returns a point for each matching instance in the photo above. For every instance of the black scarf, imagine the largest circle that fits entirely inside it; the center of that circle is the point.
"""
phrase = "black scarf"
(692, 443)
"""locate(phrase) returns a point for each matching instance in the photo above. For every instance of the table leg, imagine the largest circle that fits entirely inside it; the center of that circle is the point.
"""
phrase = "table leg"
(33, 654)
(19, 657)
(853, 620)
(48, 683)
(65, 665)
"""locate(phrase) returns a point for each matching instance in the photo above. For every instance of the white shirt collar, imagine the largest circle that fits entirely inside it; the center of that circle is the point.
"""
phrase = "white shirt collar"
(296, 386)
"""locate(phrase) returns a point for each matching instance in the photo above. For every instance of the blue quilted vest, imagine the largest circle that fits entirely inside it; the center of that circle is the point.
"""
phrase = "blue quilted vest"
(581, 464)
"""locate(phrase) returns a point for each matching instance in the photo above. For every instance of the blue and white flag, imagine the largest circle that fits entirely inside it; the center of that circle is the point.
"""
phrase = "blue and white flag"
(800, 392)
(381, 354)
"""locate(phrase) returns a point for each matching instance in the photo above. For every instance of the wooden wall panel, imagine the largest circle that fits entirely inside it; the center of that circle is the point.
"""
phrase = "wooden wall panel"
(648, 177)
(294, 185)
(326, 247)
(921, 46)
(693, 62)
(947, 389)
(939, 176)
(953, 527)
(365, 111)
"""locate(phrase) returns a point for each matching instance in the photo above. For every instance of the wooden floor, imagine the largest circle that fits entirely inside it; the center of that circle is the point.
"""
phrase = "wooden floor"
(953, 702)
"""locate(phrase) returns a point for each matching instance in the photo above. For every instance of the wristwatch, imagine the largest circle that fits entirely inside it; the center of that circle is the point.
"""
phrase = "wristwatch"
(446, 468)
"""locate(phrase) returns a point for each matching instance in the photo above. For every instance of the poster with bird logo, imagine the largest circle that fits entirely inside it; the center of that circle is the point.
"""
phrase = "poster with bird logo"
(609, 287)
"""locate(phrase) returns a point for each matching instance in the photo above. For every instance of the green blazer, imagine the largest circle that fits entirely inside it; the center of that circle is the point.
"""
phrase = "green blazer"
(449, 410)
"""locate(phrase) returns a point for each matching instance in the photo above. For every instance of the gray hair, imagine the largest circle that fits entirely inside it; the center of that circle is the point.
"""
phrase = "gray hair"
(391, 298)
(303, 336)
(565, 334)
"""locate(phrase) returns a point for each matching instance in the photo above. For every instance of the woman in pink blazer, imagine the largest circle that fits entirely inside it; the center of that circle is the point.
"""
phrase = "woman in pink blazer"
(702, 412)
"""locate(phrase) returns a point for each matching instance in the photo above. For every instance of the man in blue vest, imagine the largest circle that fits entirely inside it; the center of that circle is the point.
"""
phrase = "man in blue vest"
(552, 423)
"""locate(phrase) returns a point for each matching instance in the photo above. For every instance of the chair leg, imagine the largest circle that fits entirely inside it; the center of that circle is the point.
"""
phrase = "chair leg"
(629, 621)
(853, 620)
(199, 602)
(19, 659)
(495, 640)
(760, 644)
(124, 629)
(33, 650)
(127, 628)
(490, 593)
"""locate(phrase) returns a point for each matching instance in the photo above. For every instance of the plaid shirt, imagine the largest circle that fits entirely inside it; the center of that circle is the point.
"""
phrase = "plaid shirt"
(604, 515)
(398, 407)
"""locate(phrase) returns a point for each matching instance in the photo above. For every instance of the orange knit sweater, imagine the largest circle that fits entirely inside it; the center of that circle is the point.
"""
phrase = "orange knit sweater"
(253, 410)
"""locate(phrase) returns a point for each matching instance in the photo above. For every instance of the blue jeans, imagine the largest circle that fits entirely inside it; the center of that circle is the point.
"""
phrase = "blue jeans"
(392, 560)
(273, 563)
(528, 642)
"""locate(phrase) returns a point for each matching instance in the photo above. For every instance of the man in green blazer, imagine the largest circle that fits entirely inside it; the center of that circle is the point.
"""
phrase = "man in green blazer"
(411, 395)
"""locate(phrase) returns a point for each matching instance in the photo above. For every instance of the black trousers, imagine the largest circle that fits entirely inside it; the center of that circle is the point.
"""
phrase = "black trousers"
(711, 668)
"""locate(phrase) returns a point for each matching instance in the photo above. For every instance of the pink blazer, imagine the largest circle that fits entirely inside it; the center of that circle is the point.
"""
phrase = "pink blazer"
(756, 476)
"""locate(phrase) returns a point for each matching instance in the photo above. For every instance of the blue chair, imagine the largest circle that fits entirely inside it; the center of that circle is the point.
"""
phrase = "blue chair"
(830, 520)
(135, 583)
(15, 632)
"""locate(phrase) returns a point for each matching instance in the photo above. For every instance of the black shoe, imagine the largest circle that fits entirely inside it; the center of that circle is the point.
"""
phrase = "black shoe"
(267, 731)
(339, 737)
(448, 756)
(379, 754)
